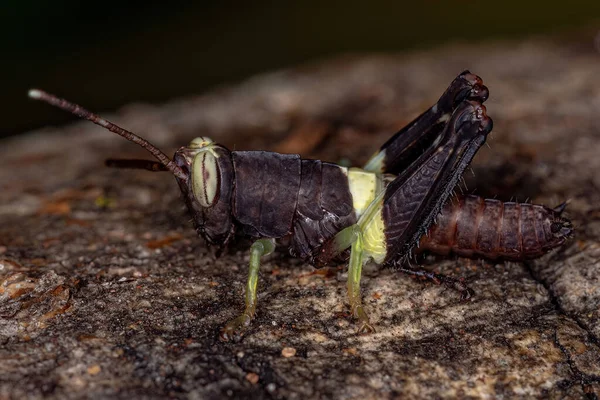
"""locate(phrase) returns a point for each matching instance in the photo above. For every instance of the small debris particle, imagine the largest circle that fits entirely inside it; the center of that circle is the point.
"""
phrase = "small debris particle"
(77, 222)
(94, 369)
(376, 295)
(57, 290)
(9, 265)
(104, 202)
(252, 378)
(288, 352)
(319, 337)
(325, 273)
(157, 244)
(271, 387)
(55, 208)
(351, 351)
(38, 262)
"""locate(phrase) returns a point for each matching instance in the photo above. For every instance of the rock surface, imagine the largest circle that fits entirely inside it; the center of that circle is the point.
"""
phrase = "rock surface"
(105, 290)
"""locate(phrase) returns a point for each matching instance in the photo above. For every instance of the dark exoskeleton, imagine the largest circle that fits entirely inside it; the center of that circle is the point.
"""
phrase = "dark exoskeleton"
(330, 213)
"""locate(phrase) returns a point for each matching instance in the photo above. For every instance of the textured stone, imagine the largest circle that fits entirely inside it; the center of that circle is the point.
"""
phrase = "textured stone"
(105, 290)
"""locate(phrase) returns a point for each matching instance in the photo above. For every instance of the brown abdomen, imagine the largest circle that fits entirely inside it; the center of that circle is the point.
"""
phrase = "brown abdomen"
(485, 228)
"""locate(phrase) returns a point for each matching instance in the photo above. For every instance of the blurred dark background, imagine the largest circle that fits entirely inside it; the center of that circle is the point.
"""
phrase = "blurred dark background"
(106, 54)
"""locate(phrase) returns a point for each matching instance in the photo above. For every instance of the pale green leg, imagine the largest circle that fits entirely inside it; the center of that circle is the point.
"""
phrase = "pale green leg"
(354, 273)
(344, 239)
(375, 163)
(352, 237)
(260, 248)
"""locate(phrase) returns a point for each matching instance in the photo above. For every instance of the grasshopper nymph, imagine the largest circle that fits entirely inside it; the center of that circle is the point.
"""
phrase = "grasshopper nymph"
(379, 213)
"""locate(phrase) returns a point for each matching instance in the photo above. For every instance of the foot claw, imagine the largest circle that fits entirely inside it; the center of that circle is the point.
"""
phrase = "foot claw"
(359, 313)
(366, 328)
(235, 327)
(466, 294)
(225, 335)
(459, 285)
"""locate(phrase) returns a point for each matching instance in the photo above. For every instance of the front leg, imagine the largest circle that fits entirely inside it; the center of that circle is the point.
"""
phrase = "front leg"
(410, 142)
(260, 248)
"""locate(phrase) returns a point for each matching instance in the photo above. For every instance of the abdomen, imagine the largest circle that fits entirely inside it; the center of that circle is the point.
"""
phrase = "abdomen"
(476, 227)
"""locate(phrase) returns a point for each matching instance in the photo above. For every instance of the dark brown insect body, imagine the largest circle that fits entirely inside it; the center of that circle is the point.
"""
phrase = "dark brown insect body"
(476, 227)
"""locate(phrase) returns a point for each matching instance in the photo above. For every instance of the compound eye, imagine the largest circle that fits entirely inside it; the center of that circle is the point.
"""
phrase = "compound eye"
(206, 179)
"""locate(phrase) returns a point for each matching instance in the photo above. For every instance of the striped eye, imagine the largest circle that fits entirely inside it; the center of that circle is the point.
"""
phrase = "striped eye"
(206, 179)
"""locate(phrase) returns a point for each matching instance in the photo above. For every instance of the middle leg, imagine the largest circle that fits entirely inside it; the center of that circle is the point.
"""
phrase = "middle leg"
(352, 237)
(357, 260)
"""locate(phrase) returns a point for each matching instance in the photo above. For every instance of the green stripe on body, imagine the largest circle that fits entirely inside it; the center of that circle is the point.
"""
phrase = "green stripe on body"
(367, 191)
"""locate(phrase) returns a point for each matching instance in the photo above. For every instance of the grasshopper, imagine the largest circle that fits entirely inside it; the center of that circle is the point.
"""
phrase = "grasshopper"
(330, 214)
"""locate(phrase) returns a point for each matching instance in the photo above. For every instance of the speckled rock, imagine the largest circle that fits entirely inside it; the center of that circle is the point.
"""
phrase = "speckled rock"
(105, 290)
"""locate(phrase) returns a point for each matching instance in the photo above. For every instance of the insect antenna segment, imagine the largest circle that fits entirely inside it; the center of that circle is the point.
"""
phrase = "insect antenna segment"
(81, 112)
(135, 164)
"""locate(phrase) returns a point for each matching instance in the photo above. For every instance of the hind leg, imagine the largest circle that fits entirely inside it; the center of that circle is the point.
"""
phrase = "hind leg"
(393, 223)
(410, 142)
(416, 196)
(439, 279)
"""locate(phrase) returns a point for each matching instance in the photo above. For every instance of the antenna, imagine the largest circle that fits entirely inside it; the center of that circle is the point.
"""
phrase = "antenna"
(132, 137)
(135, 164)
